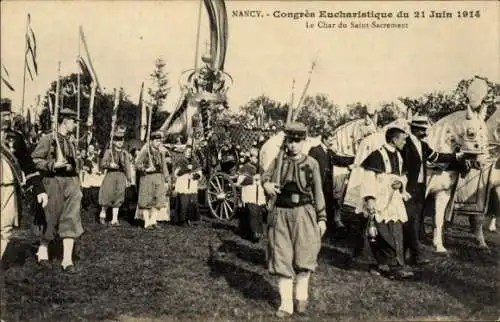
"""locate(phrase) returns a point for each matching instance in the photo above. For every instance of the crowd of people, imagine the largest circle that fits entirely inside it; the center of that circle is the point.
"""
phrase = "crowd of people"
(292, 198)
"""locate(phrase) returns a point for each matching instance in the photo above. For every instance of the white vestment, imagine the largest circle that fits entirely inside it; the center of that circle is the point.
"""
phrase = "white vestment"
(389, 203)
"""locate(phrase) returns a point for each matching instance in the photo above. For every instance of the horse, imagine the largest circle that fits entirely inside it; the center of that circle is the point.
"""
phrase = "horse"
(463, 191)
(443, 182)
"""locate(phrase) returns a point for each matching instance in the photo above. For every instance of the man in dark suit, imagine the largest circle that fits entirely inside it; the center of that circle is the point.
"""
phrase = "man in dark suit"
(416, 153)
(18, 176)
(327, 159)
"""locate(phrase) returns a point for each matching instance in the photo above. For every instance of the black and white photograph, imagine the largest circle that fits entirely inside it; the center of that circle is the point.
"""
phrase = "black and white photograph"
(245, 160)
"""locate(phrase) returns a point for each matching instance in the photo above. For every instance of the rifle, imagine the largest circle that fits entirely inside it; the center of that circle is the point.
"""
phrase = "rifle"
(59, 155)
(113, 125)
(151, 166)
(290, 118)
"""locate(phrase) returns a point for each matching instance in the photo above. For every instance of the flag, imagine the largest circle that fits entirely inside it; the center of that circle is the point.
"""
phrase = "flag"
(5, 78)
(30, 55)
(85, 62)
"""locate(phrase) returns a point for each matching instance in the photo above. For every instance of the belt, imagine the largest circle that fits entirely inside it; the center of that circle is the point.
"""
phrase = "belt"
(62, 175)
(7, 184)
(114, 170)
(293, 200)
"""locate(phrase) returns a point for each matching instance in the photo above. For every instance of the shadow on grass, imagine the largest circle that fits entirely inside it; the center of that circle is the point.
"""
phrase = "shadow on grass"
(250, 284)
(471, 253)
(477, 293)
(222, 225)
(18, 252)
(337, 258)
(254, 256)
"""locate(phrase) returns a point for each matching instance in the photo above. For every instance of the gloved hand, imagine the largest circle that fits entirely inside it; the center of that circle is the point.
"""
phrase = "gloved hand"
(42, 199)
(322, 227)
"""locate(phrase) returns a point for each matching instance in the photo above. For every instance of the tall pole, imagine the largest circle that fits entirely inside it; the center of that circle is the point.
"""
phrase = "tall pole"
(301, 99)
(24, 72)
(197, 38)
(58, 89)
(290, 106)
(78, 95)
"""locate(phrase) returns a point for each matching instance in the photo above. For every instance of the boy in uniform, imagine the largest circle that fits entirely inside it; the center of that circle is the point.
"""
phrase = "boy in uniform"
(154, 183)
(297, 220)
(62, 183)
(117, 164)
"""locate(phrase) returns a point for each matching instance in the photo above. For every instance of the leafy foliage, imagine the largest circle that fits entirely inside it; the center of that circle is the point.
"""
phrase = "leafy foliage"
(438, 104)
(320, 113)
(158, 94)
(102, 110)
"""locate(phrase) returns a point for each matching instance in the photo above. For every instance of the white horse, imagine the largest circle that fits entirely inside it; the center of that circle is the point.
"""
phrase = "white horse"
(469, 192)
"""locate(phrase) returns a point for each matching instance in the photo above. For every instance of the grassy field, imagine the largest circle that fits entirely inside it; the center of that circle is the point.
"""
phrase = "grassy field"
(207, 273)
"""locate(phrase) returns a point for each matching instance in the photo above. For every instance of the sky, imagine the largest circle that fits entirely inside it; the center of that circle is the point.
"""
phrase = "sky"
(264, 54)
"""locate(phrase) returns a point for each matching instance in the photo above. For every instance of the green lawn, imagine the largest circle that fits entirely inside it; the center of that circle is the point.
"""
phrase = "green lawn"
(207, 273)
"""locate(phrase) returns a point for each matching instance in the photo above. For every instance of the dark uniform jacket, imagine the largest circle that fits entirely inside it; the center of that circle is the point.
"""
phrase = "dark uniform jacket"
(44, 155)
(158, 160)
(15, 150)
(326, 160)
(304, 173)
(413, 161)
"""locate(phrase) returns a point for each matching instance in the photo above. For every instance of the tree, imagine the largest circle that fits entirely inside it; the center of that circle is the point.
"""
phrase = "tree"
(319, 113)
(274, 111)
(158, 94)
(436, 105)
(389, 112)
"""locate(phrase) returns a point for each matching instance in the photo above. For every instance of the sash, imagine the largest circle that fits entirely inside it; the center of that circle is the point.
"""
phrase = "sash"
(387, 162)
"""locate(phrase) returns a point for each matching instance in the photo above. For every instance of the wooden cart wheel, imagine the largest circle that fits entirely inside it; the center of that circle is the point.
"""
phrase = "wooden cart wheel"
(221, 196)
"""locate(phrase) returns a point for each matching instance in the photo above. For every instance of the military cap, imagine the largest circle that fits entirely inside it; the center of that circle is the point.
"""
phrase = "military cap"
(68, 113)
(296, 130)
(157, 135)
(5, 105)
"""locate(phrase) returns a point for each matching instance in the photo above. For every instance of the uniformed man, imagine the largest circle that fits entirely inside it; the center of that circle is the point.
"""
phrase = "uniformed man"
(118, 165)
(297, 221)
(55, 158)
(154, 182)
(16, 160)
